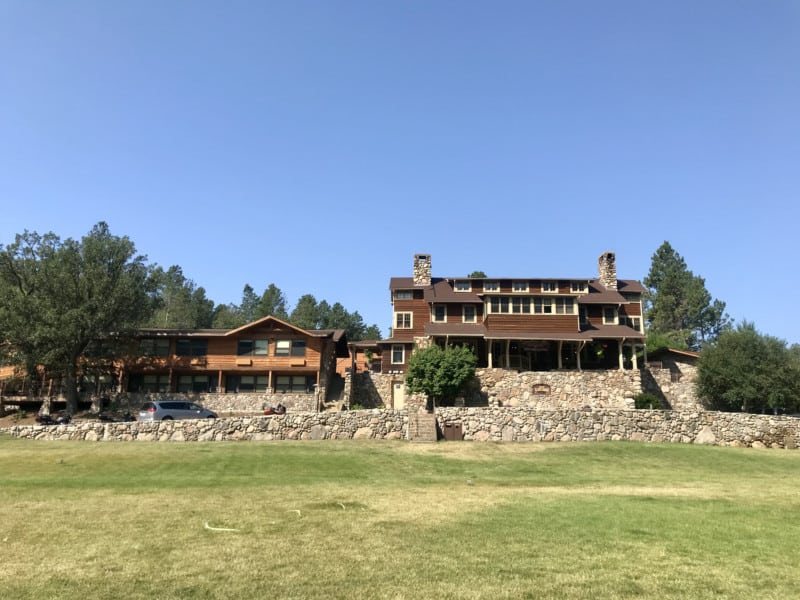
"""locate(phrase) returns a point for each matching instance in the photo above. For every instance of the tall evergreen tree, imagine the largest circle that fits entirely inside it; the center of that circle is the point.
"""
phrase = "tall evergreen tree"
(678, 305)
(305, 314)
(273, 302)
(179, 302)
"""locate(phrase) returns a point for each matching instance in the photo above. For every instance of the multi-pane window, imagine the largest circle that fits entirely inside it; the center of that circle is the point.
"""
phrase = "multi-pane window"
(463, 286)
(403, 295)
(519, 286)
(292, 383)
(521, 305)
(148, 383)
(398, 354)
(543, 306)
(469, 313)
(632, 322)
(583, 315)
(609, 315)
(491, 286)
(191, 347)
(252, 383)
(153, 347)
(290, 347)
(439, 314)
(578, 287)
(550, 287)
(402, 320)
(565, 306)
(253, 348)
(194, 383)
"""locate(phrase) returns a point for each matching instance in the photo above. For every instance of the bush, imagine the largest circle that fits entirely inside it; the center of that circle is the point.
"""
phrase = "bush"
(648, 400)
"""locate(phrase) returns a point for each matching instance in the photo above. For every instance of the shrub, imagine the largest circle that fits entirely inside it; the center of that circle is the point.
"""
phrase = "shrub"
(648, 400)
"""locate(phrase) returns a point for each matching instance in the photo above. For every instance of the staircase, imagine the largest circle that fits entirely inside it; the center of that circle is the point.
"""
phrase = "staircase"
(422, 427)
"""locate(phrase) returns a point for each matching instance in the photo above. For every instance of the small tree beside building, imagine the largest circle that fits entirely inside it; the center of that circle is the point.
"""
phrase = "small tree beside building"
(440, 373)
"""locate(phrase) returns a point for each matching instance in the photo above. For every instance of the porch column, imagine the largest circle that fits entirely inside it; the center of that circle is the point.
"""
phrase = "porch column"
(635, 360)
(508, 354)
(621, 357)
(560, 346)
(269, 380)
(578, 353)
(219, 381)
(489, 358)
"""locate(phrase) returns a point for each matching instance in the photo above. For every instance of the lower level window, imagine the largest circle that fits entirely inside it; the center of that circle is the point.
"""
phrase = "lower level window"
(148, 383)
(194, 383)
(398, 354)
(293, 383)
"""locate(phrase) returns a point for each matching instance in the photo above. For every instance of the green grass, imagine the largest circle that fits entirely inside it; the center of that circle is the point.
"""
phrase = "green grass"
(397, 520)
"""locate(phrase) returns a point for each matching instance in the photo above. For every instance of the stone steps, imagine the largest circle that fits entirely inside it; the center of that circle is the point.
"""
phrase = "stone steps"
(422, 427)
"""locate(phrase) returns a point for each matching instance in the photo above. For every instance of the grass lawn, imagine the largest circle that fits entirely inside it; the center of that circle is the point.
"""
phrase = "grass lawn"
(397, 520)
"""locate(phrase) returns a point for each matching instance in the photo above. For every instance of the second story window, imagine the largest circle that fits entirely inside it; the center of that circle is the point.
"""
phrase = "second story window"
(253, 348)
(153, 347)
(402, 320)
(290, 347)
(469, 313)
(578, 287)
(609, 315)
(403, 295)
(463, 286)
(191, 347)
(520, 286)
(491, 286)
(439, 314)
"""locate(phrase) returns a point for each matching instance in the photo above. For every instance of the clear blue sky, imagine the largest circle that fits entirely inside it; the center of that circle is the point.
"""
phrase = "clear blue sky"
(320, 145)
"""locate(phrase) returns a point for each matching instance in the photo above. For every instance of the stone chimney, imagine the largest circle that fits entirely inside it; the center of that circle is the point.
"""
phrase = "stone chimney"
(607, 268)
(422, 269)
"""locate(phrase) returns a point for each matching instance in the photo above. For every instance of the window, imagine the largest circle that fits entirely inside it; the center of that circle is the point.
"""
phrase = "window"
(565, 306)
(261, 348)
(491, 286)
(468, 312)
(550, 287)
(578, 287)
(148, 383)
(632, 322)
(398, 354)
(290, 347)
(193, 383)
(463, 286)
(543, 306)
(583, 315)
(245, 348)
(298, 347)
(521, 305)
(153, 347)
(292, 383)
(609, 315)
(191, 347)
(440, 313)
(520, 286)
(402, 320)
(403, 295)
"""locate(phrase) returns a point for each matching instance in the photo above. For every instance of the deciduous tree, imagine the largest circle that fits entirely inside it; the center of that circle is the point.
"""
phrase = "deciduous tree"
(440, 373)
(58, 297)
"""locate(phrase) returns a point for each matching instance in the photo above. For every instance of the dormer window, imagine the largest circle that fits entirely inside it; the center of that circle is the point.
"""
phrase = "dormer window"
(520, 286)
(579, 287)
(491, 286)
(463, 286)
(550, 287)
(403, 295)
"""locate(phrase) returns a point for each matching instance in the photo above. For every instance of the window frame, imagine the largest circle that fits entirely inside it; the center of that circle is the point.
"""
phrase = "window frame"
(402, 349)
(197, 347)
(404, 294)
(403, 313)
(578, 287)
(615, 311)
(549, 287)
(462, 282)
(520, 287)
(491, 286)
(434, 313)
(474, 309)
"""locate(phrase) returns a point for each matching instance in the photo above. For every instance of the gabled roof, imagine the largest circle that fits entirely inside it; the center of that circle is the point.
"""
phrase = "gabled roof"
(180, 332)
(611, 331)
(264, 320)
(599, 294)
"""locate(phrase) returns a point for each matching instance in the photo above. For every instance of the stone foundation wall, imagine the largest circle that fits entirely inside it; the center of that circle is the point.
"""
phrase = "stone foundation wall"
(675, 385)
(514, 424)
(222, 404)
(691, 427)
(555, 389)
(371, 390)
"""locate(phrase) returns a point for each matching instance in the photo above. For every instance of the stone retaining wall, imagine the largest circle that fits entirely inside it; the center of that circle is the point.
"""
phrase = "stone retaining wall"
(514, 424)
(222, 404)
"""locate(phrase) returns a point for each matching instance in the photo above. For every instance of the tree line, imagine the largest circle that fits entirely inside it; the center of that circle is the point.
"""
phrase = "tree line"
(61, 300)
(739, 368)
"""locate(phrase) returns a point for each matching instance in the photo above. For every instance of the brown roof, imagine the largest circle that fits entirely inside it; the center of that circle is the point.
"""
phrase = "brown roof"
(441, 292)
(160, 331)
(611, 331)
(599, 294)
(455, 329)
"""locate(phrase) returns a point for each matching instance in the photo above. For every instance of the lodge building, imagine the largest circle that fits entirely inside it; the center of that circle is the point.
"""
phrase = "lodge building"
(524, 323)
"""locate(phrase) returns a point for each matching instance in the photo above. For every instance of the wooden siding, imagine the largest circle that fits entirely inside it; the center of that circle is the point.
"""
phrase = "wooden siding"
(421, 312)
(526, 323)
(634, 309)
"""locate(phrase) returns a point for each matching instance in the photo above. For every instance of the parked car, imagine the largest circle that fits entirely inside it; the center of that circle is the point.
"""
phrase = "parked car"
(167, 410)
